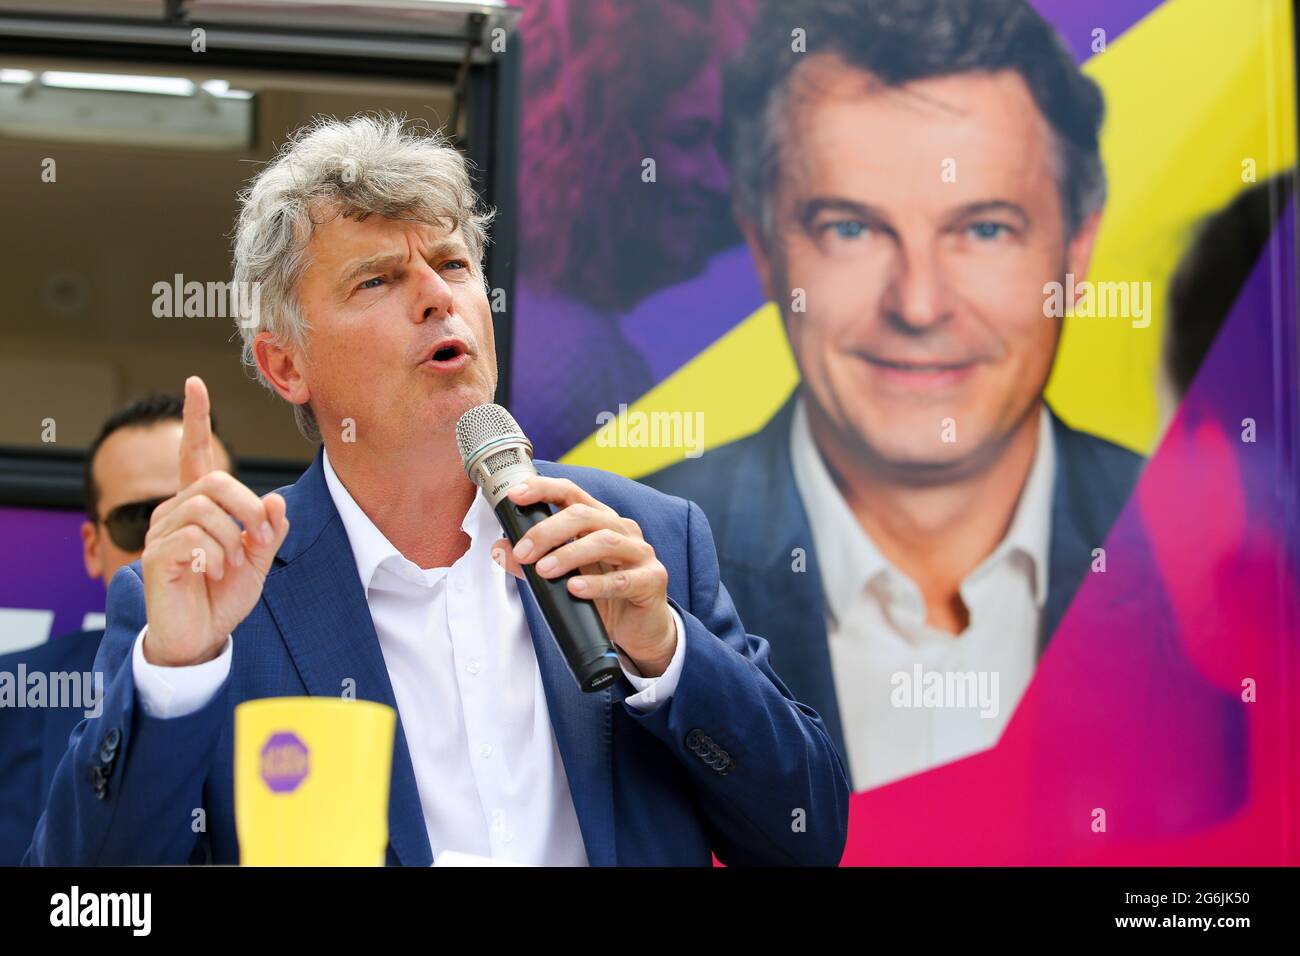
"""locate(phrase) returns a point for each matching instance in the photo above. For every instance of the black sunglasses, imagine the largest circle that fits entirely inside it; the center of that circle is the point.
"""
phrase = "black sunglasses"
(129, 523)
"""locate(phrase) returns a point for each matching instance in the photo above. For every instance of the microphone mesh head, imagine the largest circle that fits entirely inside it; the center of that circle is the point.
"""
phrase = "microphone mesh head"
(482, 424)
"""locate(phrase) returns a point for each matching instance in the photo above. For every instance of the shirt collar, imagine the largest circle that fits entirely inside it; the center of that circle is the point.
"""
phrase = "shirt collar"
(849, 560)
(370, 548)
(846, 556)
(1031, 526)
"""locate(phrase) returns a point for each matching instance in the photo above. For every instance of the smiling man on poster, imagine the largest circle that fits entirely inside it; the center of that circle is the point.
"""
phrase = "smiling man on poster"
(382, 568)
(912, 187)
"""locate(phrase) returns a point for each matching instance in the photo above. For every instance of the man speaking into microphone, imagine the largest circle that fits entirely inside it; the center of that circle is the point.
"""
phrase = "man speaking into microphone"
(384, 569)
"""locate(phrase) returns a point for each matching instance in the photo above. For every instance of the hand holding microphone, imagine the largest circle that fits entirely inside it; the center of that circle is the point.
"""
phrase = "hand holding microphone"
(591, 570)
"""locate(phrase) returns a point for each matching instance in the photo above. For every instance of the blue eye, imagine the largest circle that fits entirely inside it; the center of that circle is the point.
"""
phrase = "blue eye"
(987, 230)
(367, 285)
(461, 263)
(848, 228)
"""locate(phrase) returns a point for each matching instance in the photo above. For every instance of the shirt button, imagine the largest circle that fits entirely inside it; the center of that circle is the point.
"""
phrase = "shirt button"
(485, 751)
(472, 667)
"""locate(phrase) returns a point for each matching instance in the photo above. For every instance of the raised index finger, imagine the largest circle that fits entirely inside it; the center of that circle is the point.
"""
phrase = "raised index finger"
(196, 433)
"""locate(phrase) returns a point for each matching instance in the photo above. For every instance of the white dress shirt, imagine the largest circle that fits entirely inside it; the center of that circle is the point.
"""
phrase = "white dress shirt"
(880, 643)
(464, 673)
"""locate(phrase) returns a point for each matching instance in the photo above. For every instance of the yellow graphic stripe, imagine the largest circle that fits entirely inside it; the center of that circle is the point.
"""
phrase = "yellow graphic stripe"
(738, 383)
(1192, 91)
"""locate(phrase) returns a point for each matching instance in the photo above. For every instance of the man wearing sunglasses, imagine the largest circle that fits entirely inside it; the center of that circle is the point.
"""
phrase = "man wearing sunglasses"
(131, 467)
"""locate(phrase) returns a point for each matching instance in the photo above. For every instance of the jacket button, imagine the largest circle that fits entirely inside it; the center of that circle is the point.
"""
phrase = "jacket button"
(108, 747)
(693, 739)
(99, 781)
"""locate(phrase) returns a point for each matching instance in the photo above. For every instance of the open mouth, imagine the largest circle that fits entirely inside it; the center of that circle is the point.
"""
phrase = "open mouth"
(447, 355)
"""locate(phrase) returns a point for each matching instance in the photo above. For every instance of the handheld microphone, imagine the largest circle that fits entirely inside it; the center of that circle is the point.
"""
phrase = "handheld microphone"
(497, 457)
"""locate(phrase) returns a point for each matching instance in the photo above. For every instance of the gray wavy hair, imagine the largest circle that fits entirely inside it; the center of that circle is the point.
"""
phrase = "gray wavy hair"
(373, 163)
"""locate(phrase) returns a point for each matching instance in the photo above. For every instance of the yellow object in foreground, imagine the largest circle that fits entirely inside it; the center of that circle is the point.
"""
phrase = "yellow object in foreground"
(311, 781)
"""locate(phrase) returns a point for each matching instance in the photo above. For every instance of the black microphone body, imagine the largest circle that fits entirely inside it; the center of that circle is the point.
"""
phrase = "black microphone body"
(497, 457)
(574, 621)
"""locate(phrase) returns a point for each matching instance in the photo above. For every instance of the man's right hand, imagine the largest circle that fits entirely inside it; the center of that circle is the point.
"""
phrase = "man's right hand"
(202, 574)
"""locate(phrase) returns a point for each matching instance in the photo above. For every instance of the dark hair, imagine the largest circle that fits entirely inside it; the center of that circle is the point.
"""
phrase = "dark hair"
(1212, 272)
(898, 41)
(150, 410)
(592, 112)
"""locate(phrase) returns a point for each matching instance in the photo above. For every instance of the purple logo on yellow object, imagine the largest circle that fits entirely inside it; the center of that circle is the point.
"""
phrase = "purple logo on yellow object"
(284, 762)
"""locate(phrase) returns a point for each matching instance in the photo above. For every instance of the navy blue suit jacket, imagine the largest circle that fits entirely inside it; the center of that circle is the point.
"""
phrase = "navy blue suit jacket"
(748, 492)
(33, 739)
(646, 791)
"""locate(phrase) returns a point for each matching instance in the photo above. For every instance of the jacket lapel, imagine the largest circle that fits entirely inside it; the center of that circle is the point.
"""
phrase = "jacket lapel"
(321, 612)
(1076, 530)
(583, 730)
(766, 539)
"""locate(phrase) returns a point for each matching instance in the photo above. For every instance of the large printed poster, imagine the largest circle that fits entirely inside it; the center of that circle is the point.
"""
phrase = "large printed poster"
(970, 325)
